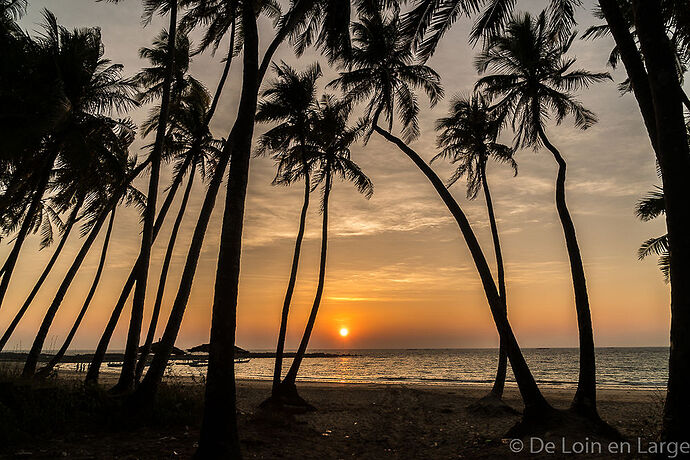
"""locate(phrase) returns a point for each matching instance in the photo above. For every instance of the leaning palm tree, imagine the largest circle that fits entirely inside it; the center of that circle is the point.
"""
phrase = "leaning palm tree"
(48, 368)
(111, 167)
(290, 100)
(468, 138)
(89, 85)
(648, 208)
(183, 89)
(192, 152)
(329, 157)
(534, 78)
(126, 380)
(382, 72)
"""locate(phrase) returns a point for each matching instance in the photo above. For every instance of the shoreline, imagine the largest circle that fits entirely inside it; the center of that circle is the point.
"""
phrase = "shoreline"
(111, 377)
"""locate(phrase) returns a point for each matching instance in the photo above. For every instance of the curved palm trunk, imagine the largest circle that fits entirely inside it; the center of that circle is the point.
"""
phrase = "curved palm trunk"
(586, 395)
(291, 376)
(278, 369)
(104, 341)
(126, 381)
(154, 375)
(531, 395)
(223, 77)
(49, 266)
(37, 346)
(673, 157)
(499, 382)
(12, 258)
(92, 291)
(219, 437)
(164, 275)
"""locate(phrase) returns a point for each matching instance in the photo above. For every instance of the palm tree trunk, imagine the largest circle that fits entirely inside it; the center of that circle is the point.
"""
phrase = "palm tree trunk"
(278, 369)
(92, 291)
(634, 66)
(223, 77)
(164, 275)
(104, 341)
(126, 381)
(585, 400)
(533, 399)
(291, 376)
(11, 261)
(499, 382)
(49, 266)
(37, 346)
(219, 437)
(673, 157)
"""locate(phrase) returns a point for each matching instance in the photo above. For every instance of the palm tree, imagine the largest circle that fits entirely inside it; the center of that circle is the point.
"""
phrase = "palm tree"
(219, 431)
(468, 139)
(186, 123)
(534, 78)
(115, 174)
(218, 21)
(329, 157)
(48, 368)
(382, 66)
(653, 73)
(648, 208)
(115, 177)
(90, 87)
(430, 20)
(126, 381)
(291, 101)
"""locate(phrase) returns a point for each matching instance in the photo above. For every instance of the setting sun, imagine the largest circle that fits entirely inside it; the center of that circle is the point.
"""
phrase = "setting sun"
(344, 332)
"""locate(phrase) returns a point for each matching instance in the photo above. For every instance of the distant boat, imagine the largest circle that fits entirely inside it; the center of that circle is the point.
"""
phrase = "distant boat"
(115, 364)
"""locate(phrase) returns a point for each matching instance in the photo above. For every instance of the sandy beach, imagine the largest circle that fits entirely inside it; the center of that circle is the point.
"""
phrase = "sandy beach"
(363, 421)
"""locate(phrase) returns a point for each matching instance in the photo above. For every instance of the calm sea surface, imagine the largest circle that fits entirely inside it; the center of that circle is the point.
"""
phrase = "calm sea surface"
(644, 368)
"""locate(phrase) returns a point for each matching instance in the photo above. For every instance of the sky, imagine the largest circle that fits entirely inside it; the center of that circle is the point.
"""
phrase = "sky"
(399, 274)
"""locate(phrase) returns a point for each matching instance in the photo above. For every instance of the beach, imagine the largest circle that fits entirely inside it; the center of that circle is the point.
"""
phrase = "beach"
(363, 421)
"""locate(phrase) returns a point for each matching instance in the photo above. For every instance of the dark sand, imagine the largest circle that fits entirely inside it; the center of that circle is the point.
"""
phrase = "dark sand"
(362, 421)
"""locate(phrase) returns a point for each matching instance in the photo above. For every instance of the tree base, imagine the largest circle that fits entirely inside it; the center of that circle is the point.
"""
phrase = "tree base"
(557, 424)
(44, 373)
(287, 400)
(492, 405)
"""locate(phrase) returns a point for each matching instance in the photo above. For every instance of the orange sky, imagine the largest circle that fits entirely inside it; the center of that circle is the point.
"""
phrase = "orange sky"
(399, 274)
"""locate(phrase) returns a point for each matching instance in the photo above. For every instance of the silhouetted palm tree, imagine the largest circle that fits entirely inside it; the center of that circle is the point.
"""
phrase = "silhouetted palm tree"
(652, 69)
(329, 157)
(151, 7)
(192, 151)
(468, 138)
(535, 79)
(87, 87)
(290, 100)
(648, 208)
(430, 20)
(381, 67)
(115, 174)
(48, 368)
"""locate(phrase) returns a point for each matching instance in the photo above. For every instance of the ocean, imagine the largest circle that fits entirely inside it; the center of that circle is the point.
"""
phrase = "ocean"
(641, 368)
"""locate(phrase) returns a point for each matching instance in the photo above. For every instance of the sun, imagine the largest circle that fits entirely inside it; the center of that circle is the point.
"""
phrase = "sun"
(344, 332)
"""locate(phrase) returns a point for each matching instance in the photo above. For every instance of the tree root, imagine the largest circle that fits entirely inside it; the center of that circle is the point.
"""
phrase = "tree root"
(287, 400)
(492, 405)
(554, 423)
